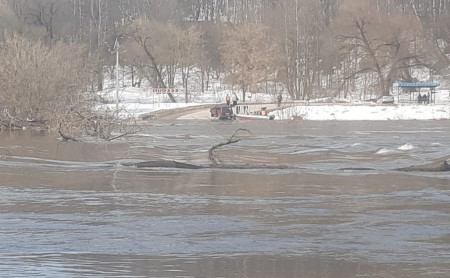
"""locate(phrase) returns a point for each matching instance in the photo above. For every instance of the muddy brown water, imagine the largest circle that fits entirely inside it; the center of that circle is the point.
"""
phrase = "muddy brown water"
(69, 209)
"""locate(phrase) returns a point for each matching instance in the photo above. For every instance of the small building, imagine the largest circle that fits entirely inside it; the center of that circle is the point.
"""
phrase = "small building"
(418, 92)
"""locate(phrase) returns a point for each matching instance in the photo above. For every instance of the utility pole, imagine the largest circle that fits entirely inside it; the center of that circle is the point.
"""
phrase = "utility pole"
(116, 48)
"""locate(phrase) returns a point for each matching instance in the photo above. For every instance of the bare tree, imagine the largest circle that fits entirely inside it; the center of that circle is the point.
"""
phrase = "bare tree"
(42, 81)
(380, 43)
(304, 38)
(442, 43)
(189, 54)
(158, 42)
(380, 40)
(250, 56)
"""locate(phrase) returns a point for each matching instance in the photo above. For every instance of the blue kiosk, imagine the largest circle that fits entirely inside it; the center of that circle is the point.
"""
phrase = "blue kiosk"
(415, 91)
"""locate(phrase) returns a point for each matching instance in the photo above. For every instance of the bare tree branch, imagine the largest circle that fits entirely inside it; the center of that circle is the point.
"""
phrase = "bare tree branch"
(228, 142)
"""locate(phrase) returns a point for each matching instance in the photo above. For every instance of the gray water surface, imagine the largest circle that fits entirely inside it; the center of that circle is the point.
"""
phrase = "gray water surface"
(71, 209)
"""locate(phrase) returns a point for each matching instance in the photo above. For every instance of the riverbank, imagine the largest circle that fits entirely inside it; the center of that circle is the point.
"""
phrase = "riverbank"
(341, 112)
(142, 105)
(319, 112)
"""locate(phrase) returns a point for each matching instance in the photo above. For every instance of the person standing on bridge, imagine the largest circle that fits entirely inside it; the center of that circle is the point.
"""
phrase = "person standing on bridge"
(227, 98)
(279, 99)
(235, 99)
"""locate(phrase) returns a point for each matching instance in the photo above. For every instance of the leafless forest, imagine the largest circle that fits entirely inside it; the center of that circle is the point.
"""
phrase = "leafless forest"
(54, 51)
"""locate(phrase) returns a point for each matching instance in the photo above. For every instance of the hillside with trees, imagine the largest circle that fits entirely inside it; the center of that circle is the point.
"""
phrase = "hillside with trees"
(54, 51)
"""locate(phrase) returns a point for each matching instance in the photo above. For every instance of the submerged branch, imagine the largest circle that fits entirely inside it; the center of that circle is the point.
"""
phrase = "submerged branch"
(432, 167)
(119, 136)
(228, 142)
(166, 164)
(211, 150)
(66, 137)
(214, 164)
(183, 165)
(8, 153)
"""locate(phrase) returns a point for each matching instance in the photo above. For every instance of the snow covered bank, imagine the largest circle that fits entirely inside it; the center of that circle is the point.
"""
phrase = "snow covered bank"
(135, 102)
(440, 110)
(364, 112)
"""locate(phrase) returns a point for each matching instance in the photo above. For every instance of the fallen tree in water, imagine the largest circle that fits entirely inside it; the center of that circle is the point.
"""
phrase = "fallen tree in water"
(431, 167)
(166, 164)
(215, 163)
(182, 165)
(231, 140)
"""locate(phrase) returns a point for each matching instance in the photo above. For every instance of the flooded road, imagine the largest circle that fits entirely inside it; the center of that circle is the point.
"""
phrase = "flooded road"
(70, 209)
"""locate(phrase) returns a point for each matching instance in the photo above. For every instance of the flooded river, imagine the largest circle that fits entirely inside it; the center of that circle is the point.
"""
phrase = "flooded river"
(71, 209)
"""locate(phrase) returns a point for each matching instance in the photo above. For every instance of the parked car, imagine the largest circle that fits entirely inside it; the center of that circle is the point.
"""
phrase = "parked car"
(386, 99)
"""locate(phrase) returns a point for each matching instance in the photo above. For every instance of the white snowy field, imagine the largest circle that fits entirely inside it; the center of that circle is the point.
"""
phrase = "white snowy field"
(365, 112)
(135, 102)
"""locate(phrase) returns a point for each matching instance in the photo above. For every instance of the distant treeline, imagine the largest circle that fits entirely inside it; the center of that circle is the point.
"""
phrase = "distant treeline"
(307, 48)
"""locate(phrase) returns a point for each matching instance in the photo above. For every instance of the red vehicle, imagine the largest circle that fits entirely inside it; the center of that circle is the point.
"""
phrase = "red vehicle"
(222, 112)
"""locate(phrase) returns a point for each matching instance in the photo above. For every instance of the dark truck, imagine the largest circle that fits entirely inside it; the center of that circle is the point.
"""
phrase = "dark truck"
(222, 112)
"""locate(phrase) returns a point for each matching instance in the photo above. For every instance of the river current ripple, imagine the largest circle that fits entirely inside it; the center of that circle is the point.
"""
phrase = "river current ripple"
(71, 209)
